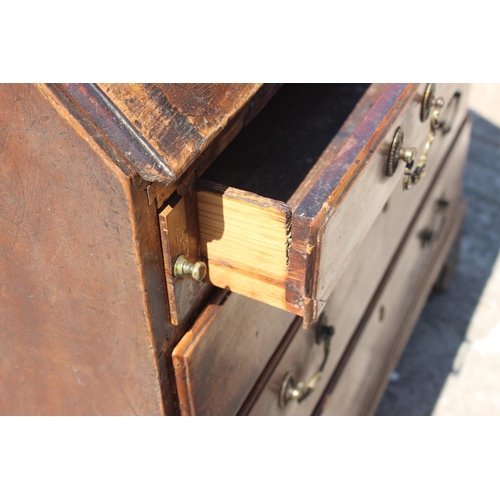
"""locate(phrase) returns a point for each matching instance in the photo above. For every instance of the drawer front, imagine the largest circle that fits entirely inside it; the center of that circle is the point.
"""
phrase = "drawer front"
(361, 380)
(378, 342)
(344, 229)
(218, 361)
(302, 355)
(291, 252)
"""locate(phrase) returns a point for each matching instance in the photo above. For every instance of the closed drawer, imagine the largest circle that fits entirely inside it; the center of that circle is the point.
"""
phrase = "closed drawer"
(218, 361)
(360, 382)
(300, 355)
(375, 348)
(284, 208)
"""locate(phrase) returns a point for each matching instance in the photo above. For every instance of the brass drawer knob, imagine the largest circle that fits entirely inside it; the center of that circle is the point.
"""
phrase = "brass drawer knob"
(183, 267)
(399, 152)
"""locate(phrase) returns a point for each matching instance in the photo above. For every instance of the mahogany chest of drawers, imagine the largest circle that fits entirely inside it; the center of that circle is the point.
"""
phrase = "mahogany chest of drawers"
(220, 249)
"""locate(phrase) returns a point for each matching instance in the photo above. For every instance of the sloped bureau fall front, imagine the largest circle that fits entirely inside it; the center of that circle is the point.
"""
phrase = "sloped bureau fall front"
(220, 249)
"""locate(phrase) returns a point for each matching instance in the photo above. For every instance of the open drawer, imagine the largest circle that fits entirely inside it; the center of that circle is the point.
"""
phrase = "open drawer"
(284, 208)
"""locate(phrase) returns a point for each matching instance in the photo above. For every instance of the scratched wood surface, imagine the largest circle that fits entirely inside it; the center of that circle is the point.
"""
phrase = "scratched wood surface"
(179, 120)
(74, 335)
(166, 129)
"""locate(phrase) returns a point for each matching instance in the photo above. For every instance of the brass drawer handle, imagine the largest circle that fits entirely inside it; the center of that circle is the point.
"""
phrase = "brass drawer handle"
(412, 177)
(292, 390)
(451, 112)
(399, 152)
(183, 267)
(430, 237)
(430, 101)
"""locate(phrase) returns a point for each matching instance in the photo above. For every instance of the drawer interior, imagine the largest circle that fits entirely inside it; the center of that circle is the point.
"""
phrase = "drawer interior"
(274, 154)
(248, 196)
(283, 208)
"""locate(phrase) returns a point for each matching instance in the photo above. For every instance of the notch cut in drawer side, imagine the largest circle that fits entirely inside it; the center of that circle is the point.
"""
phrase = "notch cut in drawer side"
(246, 238)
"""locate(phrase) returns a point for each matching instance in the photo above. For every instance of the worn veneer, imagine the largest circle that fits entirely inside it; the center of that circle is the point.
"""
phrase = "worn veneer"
(98, 198)
(166, 129)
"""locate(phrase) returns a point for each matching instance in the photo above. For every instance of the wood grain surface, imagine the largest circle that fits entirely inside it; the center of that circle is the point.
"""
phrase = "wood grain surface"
(219, 359)
(353, 293)
(364, 373)
(74, 335)
(408, 274)
(337, 184)
(246, 240)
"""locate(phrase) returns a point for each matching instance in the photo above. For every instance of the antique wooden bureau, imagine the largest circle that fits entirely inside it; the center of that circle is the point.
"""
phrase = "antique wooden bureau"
(220, 249)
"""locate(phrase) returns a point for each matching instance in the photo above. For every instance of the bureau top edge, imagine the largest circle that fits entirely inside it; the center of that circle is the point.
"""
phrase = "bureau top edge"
(164, 129)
